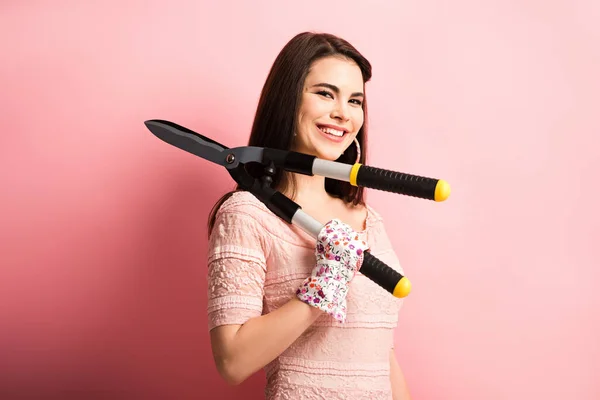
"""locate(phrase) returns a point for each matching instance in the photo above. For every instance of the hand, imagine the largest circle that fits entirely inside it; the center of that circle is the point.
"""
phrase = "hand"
(339, 253)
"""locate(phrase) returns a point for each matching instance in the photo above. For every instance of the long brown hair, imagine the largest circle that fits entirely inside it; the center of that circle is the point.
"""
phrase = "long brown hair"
(277, 111)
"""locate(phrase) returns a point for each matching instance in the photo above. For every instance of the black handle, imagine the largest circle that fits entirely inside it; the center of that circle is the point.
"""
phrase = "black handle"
(386, 277)
(398, 182)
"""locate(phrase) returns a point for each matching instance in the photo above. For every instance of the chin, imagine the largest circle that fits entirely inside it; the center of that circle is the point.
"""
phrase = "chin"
(329, 155)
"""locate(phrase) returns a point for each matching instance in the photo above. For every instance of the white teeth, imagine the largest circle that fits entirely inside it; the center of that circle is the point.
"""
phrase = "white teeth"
(334, 132)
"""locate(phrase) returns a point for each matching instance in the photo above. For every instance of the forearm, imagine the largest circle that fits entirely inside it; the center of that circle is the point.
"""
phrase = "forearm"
(262, 339)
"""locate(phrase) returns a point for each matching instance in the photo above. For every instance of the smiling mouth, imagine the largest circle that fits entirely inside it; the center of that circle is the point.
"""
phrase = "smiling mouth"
(331, 131)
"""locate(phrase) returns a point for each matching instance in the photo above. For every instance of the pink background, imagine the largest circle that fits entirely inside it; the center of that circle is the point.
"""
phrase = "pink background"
(103, 240)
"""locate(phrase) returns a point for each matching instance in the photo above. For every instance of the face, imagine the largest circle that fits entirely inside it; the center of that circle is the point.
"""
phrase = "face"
(331, 112)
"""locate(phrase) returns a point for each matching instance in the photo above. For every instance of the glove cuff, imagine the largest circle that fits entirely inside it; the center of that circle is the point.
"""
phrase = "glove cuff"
(325, 293)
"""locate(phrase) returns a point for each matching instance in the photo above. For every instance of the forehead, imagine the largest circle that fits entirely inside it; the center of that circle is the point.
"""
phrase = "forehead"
(341, 72)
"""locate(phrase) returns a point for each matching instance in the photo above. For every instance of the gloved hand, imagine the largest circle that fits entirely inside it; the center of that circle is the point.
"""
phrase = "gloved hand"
(339, 253)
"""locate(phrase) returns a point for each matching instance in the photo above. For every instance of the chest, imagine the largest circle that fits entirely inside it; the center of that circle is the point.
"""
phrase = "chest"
(354, 217)
(293, 260)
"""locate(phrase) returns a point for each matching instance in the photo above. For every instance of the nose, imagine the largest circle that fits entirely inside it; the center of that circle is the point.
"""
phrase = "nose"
(340, 111)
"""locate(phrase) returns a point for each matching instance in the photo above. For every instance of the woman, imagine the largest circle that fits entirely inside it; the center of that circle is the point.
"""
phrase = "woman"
(278, 300)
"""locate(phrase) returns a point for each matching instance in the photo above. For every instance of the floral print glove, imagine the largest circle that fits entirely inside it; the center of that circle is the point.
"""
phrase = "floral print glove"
(339, 254)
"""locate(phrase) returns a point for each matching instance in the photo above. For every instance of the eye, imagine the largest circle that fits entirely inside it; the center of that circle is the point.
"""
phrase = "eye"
(357, 102)
(325, 93)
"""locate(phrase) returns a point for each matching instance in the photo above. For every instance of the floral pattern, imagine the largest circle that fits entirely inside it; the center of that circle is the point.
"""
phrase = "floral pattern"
(339, 254)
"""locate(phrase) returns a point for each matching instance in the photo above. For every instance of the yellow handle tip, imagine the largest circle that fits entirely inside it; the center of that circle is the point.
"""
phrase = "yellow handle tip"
(402, 288)
(442, 190)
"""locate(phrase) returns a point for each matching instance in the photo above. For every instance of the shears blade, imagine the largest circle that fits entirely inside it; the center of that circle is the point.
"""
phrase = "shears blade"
(188, 140)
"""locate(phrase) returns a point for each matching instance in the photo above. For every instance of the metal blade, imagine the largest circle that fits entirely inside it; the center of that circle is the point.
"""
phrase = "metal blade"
(187, 140)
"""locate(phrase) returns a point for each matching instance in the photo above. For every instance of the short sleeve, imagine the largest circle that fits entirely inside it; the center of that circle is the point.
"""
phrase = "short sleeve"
(236, 269)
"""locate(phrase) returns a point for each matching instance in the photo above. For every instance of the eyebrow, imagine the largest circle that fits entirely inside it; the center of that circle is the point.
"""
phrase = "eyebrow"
(337, 90)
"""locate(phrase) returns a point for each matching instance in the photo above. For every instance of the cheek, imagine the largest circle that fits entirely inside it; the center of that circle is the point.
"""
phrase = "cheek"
(313, 108)
(359, 118)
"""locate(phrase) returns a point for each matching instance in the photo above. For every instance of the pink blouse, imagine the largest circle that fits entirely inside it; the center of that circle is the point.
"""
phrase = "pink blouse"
(256, 261)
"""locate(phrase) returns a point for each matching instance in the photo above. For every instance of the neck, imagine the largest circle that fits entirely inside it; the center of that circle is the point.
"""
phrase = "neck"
(310, 190)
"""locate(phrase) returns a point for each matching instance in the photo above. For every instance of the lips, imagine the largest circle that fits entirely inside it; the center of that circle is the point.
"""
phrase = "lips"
(334, 134)
(333, 130)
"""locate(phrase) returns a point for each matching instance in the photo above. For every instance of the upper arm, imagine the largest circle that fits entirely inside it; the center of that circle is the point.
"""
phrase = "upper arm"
(236, 275)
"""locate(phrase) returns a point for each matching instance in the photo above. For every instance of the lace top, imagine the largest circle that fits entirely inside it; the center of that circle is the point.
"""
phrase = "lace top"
(256, 261)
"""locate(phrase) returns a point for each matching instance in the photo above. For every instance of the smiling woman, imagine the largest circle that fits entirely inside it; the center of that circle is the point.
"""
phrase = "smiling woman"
(279, 301)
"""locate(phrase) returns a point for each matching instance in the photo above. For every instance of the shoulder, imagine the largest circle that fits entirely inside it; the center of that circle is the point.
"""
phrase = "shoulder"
(243, 202)
(240, 227)
(241, 198)
(243, 211)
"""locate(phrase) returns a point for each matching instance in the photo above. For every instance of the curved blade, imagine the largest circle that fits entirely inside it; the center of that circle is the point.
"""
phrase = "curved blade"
(187, 140)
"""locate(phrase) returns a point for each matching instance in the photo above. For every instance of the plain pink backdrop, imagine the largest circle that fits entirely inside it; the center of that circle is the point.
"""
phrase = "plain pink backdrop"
(103, 239)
